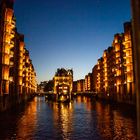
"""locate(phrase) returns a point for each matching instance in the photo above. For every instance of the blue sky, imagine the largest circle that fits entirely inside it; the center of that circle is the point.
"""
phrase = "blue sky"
(69, 33)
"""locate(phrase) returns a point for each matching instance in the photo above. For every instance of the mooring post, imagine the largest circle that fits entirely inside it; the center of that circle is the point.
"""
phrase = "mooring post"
(135, 5)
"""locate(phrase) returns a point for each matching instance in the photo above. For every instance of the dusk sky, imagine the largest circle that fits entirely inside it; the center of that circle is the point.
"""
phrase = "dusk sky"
(69, 33)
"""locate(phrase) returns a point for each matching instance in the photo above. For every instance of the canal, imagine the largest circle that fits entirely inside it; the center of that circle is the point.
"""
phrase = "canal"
(82, 119)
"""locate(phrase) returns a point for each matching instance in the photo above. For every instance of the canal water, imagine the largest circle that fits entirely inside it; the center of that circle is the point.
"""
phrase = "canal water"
(82, 119)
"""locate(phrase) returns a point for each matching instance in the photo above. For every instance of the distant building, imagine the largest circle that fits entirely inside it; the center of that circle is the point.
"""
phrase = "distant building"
(74, 86)
(100, 76)
(81, 85)
(88, 82)
(41, 86)
(94, 77)
(63, 81)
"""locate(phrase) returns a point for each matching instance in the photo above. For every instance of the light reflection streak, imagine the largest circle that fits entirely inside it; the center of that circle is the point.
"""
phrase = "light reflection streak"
(63, 114)
(26, 125)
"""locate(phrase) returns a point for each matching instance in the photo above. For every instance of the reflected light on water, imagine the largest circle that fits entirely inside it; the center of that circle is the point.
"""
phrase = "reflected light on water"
(63, 117)
(112, 123)
(26, 125)
(81, 119)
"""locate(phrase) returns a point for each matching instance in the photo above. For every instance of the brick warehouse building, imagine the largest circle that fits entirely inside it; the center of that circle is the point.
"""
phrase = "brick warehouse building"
(17, 74)
(114, 72)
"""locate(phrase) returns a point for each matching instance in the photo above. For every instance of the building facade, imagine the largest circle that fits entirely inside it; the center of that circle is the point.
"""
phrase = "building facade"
(7, 34)
(100, 76)
(88, 82)
(63, 81)
(81, 85)
(114, 73)
(74, 89)
(94, 78)
(17, 74)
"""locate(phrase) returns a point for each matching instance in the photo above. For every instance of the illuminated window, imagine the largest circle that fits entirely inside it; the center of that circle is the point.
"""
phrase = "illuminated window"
(104, 54)
(129, 60)
(117, 47)
(20, 73)
(11, 63)
(116, 40)
(128, 53)
(7, 28)
(6, 60)
(20, 66)
(129, 68)
(21, 54)
(20, 60)
(117, 54)
(9, 15)
(10, 79)
(118, 72)
(6, 74)
(127, 37)
(7, 38)
(127, 45)
(7, 49)
(21, 46)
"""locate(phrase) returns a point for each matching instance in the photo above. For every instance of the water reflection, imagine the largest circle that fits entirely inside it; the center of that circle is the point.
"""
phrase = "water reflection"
(19, 123)
(63, 114)
(114, 123)
(27, 123)
(81, 119)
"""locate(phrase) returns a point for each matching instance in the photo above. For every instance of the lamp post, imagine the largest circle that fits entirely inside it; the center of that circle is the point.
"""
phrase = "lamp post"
(135, 5)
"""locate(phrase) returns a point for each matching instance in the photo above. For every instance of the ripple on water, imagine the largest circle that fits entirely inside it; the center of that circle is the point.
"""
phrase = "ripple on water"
(79, 120)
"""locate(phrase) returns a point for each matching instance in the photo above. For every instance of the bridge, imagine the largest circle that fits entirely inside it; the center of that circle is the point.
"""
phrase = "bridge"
(52, 96)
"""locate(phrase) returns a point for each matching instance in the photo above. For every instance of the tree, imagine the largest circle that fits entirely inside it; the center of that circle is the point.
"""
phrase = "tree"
(49, 86)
